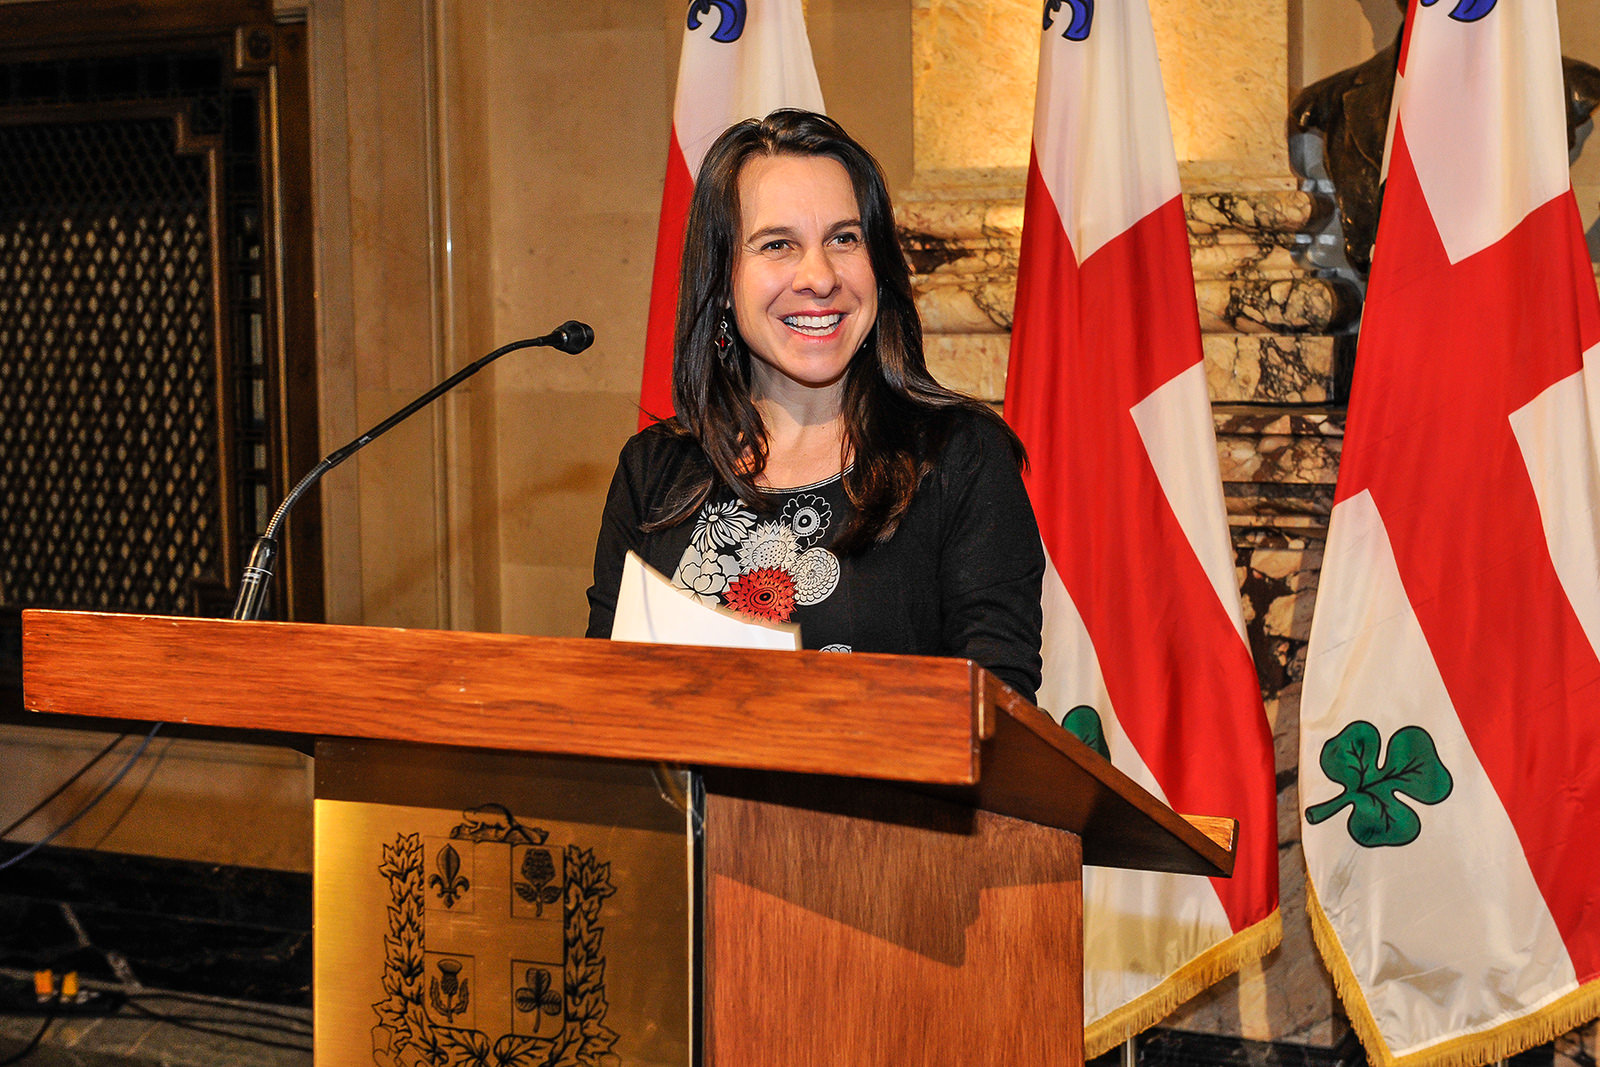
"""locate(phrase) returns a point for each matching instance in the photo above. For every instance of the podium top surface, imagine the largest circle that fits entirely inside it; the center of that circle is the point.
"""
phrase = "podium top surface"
(924, 721)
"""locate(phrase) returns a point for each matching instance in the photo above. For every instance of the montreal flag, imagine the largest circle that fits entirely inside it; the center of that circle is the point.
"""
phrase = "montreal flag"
(1145, 651)
(1450, 746)
(741, 59)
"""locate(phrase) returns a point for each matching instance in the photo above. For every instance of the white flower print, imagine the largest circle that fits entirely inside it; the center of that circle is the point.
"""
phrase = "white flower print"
(721, 525)
(772, 544)
(815, 574)
(807, 515)
(729, 543)
(706, 575)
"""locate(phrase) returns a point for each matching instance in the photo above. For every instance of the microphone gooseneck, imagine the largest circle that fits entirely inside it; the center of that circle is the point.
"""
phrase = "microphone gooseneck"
(570, 337)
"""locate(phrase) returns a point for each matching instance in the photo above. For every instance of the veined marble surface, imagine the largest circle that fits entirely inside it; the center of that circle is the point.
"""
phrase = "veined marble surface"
(1277, 368)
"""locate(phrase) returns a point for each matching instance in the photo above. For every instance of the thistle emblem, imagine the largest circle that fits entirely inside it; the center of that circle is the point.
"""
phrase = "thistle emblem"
(448, 991)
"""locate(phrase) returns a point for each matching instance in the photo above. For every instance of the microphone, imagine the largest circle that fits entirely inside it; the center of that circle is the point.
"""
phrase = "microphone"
(570, 337)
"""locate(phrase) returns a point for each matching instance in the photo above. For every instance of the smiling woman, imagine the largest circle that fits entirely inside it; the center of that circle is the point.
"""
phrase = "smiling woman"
(815, 472)
(804, 295)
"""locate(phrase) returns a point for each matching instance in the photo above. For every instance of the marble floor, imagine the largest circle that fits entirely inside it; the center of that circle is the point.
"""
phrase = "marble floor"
(188, 964)
(155, 1028)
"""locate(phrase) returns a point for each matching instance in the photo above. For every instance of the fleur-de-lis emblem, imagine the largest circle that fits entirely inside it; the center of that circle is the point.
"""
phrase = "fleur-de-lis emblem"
(730, 18)
(449, 881)
(1082, 17)
(1467, 10)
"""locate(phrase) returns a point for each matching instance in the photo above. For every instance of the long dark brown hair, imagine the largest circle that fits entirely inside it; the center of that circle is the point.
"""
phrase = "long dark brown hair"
(897, 418)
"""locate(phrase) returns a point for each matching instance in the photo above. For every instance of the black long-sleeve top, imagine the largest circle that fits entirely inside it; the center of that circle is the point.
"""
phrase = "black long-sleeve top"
(960, 577)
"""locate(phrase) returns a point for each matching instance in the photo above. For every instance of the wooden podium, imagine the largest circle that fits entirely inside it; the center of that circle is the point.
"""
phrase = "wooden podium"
(882, 855)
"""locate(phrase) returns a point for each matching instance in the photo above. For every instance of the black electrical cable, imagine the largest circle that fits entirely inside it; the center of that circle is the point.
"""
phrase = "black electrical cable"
(44, 1028)
(63, 787)
(81, 812)
(183, 1019)
(195, 998)
(179, 1021)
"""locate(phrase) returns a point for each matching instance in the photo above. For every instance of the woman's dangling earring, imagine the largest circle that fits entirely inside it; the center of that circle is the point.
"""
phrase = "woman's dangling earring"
(724, 341)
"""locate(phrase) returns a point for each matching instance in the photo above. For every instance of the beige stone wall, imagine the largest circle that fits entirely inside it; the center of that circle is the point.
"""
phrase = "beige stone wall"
(1224, 66)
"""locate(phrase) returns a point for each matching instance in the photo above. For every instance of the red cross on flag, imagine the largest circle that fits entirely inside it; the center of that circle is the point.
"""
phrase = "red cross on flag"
(1450, 747)
(741, 59)
(1145, 649)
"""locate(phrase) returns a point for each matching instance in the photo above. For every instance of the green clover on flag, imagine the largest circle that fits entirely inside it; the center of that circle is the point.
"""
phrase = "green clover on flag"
(1378, 816)
(1083, 722)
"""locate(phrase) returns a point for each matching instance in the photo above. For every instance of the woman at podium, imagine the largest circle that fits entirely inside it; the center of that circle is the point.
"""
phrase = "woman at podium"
(814, 471)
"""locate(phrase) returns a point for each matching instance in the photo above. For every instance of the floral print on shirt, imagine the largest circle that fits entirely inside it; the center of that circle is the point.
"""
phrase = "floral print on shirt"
(761, 568)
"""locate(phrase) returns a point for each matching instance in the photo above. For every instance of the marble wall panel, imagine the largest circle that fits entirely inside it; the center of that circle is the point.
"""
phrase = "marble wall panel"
(1580, 1048)
(975, 70)
(974, 364)
(864, 59)
(1300, 449)
(1277, 368)
(1228, 259)
(1273, 214)
(971, 305)
(552, 492)
(388, 270)
(1290, 508)
(1239, 368)
(1305, 304)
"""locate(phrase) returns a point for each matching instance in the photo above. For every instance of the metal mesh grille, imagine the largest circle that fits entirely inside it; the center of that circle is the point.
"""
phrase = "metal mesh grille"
(109, 474)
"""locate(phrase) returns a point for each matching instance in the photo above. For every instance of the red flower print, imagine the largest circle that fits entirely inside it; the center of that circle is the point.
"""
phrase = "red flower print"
(767, 593)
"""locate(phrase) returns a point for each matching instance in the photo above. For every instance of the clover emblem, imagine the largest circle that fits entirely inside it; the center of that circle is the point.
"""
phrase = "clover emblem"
(1083, 722)
(1373, 790)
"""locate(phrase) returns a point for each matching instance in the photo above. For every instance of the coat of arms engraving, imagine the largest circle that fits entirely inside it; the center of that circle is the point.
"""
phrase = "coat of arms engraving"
(492, 954)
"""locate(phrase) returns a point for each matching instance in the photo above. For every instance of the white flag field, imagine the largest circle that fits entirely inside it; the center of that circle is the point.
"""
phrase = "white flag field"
(1450, 745)
(741, 59)
(1145, 652)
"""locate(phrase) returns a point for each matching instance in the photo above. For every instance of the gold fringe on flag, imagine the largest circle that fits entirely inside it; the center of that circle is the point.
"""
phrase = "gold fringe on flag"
(1469, 1050)
(1211, 966)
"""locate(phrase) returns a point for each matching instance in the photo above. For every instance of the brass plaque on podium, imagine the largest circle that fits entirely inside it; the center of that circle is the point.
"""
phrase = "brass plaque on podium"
(496, 910)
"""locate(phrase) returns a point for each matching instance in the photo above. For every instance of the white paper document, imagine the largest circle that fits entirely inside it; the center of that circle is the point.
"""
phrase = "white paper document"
(651, 609)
